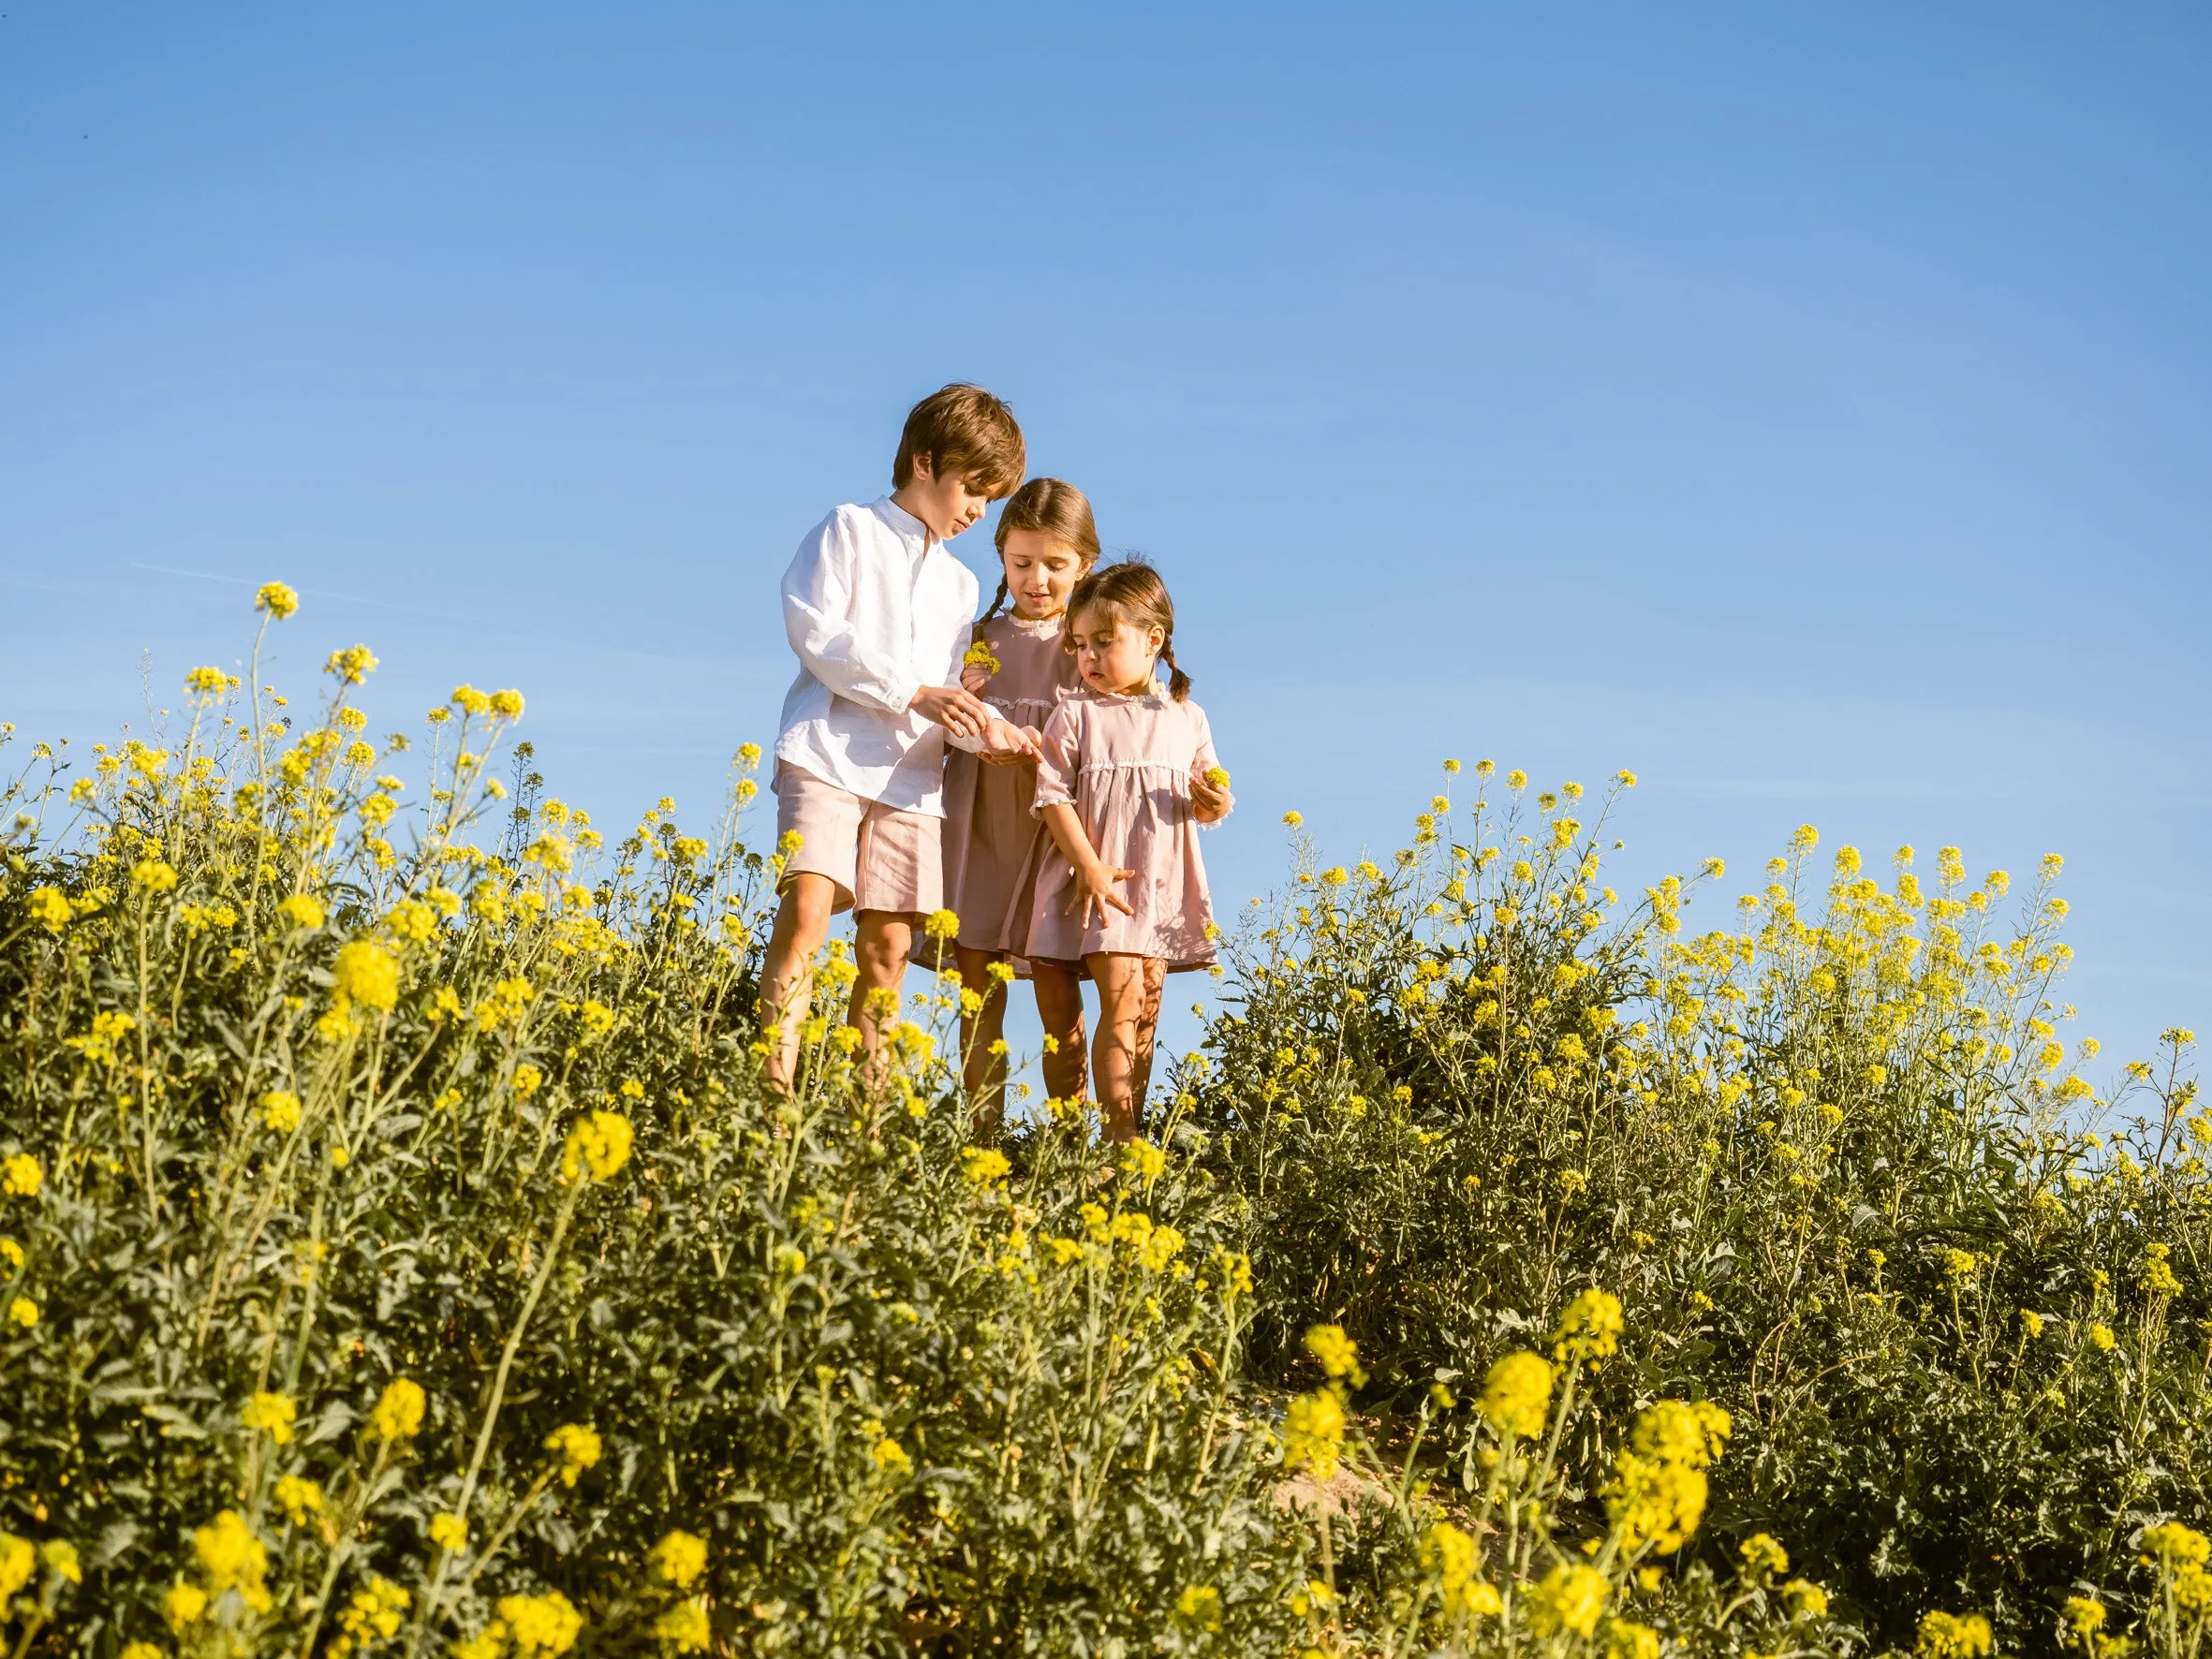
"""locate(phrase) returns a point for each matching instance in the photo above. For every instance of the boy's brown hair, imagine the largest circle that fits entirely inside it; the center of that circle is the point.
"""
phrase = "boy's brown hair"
(1131, 592)
(967, 433)
(1052, 507)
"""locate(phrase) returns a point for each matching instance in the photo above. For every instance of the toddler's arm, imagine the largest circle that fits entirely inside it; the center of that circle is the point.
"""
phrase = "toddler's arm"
(1094, 877)
(1210, 799)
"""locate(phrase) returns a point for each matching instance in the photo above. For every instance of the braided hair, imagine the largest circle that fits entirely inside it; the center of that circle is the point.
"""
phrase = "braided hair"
(1052, 508)
(1131, 591)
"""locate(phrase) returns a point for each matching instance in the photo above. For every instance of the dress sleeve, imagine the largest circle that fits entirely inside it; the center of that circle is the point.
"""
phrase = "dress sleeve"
(1063, 755)
(818, 620)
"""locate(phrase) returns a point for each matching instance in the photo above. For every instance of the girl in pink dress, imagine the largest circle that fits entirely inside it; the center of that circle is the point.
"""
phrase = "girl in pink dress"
(1128, 774)
(1047, 542)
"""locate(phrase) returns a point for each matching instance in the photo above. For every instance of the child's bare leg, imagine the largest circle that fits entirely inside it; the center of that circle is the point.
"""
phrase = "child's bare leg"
(882, 941)
(787, 975)
(1121, 1056)
(982, 1071)
(1059, 1006)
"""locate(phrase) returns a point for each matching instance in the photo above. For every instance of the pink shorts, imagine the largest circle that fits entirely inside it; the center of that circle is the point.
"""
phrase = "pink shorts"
(879, 858)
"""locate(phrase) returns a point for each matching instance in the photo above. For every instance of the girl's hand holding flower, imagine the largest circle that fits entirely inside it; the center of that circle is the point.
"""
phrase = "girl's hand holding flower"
(1209, 794)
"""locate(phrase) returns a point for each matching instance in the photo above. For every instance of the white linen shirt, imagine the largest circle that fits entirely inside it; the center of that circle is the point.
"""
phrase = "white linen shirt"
(876, 607)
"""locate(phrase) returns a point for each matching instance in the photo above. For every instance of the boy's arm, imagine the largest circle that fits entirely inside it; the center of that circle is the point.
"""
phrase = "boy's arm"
(818, 620)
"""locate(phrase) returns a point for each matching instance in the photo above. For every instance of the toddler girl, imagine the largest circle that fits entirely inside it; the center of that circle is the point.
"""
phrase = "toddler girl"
(1128, 774)
(1047, 541)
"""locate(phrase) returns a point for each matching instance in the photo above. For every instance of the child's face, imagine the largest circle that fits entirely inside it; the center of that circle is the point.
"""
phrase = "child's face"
(1113, 656)
(1041, 573)
(946, 506)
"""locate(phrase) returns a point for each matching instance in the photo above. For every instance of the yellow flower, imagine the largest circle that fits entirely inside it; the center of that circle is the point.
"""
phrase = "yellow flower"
(23, 1310)
(49, 908)
(1945, 1636)
(600, 1142)
(151, 875)
(1518, 1395)
(546, 1624)
(1627, 1639)
(891, 1456)
(276, 600)
(1517, 779)
(684, 1628)
(1199, 1608)
(448, 1532)
(1654, 1502)
(577, 1447)
(1293, 819)
(1763, 1557)
(233, 1559)
(488, 1643)
(140, 1650)
(1805, 1599)
(1338, 1353)
(942, 924)
(2031, 1322)
(367, 972)
(183, 1605)
(19, 1560)
(1691, 1432)
(2177, 1546)
(399, 1410)
(1312, 1433)
(21, 1176)
(1450, 1556)
(979, 656)
(299, 1497)
(352, 665)
(60, 1557)
(302, 910)
(2101, 1337)
(280, 1110)
(1591, 1329)
(985, 1165)
(1568, 1600)
(276, 1413)
(529, 1079)
(2083, 1616)
(1217, 776)
(680, 1557)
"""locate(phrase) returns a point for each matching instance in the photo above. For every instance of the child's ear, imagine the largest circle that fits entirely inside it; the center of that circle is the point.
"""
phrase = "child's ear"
(921, 466)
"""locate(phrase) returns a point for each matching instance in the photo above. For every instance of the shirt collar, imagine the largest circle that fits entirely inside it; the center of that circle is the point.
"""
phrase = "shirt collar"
(908, 527)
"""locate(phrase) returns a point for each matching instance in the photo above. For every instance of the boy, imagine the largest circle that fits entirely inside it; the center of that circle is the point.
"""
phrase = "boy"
(879, 613)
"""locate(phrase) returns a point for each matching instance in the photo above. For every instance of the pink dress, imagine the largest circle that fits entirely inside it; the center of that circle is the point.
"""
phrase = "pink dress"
(990, 836)
(1125, 763)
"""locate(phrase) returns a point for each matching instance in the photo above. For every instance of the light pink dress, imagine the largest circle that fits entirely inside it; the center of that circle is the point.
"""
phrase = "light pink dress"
(990, 836)
(1125, 763)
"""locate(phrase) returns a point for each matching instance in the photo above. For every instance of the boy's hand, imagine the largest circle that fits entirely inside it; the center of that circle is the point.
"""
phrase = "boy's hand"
(1007, 745)
(952, 707)
(974, 677)
(1094, 891)
(1209, 800)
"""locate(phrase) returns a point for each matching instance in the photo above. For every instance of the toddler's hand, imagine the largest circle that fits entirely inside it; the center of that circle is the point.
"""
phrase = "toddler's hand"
(1209, 799)
(1094, 891)
(974, 677)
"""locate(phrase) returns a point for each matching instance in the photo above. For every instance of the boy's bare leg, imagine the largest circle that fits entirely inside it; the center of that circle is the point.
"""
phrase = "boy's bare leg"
(982, 1071)
(1059, 1006)
(787, 975)
(1121, 1057)
(882, 941)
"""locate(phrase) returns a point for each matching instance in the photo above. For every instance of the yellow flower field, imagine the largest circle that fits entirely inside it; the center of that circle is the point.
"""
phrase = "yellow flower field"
(404, 1256)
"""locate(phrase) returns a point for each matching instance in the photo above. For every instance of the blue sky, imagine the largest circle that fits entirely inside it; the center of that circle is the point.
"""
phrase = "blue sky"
(1805, 407)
